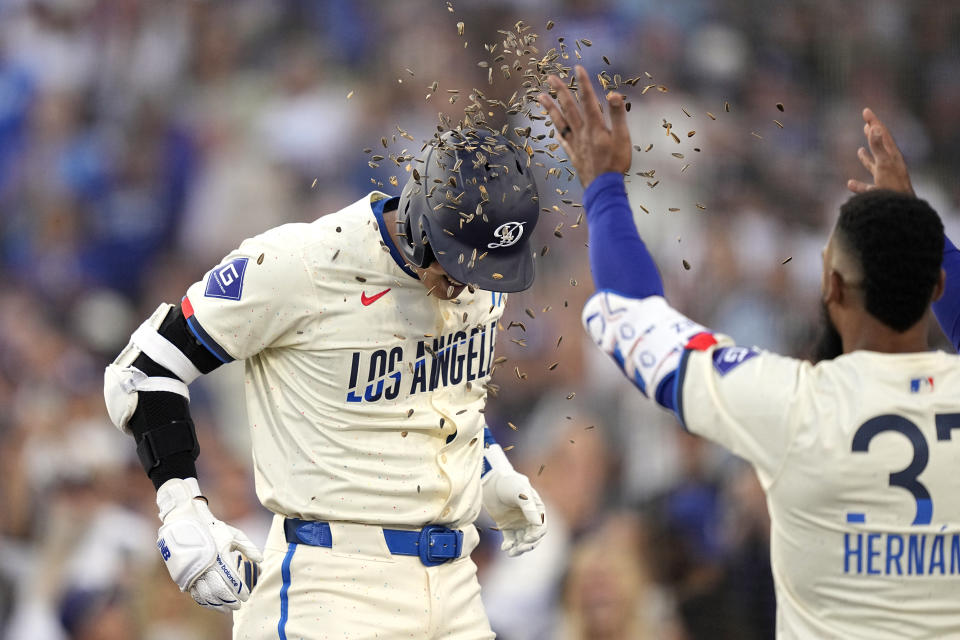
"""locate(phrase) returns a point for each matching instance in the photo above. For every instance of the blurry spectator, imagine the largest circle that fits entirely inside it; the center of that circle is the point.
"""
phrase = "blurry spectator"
(608, 593)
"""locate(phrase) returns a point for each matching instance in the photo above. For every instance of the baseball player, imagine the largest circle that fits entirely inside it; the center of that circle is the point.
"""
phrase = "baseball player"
(368, 339)
(889, 170)
(858, 454)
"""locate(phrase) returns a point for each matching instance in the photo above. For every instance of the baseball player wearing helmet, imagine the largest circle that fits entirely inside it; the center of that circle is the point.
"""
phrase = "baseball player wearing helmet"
(368, 338)
(858, 454)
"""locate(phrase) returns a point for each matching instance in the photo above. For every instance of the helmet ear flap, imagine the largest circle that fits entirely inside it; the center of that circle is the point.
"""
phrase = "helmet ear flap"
(412, 244)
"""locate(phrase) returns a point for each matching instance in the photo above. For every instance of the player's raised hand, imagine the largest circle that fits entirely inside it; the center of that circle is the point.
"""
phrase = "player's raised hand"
(884, 160)
(200, 551)
(592, 146)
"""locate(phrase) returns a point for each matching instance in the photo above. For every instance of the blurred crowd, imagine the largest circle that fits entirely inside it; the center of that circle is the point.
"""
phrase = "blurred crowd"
(140, 141)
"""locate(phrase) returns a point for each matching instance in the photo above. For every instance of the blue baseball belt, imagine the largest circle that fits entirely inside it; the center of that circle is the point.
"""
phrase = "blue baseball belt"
(434, 544)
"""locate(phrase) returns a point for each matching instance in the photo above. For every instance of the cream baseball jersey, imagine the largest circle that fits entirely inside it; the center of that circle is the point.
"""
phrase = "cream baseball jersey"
(364, 394)
(859, 457)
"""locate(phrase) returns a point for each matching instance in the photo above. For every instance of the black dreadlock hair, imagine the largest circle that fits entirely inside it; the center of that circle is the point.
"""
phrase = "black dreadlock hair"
(898, 241)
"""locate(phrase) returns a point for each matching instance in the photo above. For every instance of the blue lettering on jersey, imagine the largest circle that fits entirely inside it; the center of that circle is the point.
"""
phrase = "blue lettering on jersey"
(728, 358)
(226, 281)
(900, 554)
(456, 358)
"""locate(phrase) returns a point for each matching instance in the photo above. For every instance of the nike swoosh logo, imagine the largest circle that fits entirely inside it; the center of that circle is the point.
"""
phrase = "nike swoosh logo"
(365, 301)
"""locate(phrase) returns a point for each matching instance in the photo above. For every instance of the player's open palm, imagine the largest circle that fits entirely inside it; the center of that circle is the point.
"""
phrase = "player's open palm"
(592, 146)
(884, 160)
(517, 509)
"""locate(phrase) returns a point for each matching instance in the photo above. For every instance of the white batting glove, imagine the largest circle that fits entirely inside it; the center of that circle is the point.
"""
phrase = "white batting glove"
(513, 504)
(200, 550)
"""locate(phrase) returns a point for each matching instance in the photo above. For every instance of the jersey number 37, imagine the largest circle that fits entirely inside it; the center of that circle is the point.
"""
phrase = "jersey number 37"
(906, 478)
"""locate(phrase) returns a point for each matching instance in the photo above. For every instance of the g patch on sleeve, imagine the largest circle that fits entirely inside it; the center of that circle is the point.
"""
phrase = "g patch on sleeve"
(726, 359)
(226, 280)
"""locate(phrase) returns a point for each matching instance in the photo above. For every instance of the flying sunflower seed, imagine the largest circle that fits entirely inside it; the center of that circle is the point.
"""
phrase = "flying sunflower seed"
(686, 265)
(529, 312)
(780, 106)
(552, 366)
(726, 107)
(711, 116)
(787, 260)
(459, 28)
(512, 426)
(778, 123)
(690, 134)
(549, 25)
(260, 259)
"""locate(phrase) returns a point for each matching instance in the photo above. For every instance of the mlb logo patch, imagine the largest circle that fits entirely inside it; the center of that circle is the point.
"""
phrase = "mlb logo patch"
(226, 281)
(921, 385)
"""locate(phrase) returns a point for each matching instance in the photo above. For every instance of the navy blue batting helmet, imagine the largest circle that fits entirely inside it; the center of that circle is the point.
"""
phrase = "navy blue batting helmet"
(472, 205)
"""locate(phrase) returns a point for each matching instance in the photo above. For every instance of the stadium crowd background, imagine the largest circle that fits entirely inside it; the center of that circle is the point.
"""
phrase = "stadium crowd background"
(140, 141)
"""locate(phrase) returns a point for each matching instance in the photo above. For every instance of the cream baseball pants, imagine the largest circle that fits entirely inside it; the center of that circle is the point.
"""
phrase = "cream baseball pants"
(357, 590)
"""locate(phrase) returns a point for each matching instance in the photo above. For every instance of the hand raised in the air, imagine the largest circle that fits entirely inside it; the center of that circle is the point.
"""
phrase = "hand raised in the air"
(592, 146)
(884, 160)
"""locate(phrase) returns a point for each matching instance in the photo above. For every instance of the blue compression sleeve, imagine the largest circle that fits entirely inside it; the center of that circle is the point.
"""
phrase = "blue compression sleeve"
(947, 308)
(619, 260)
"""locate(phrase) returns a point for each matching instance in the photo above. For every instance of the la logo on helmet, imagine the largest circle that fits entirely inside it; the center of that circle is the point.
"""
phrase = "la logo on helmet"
(507, 235)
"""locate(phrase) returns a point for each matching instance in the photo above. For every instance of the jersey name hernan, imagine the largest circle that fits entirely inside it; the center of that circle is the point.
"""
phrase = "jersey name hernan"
(860, 461)
(364, 394)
